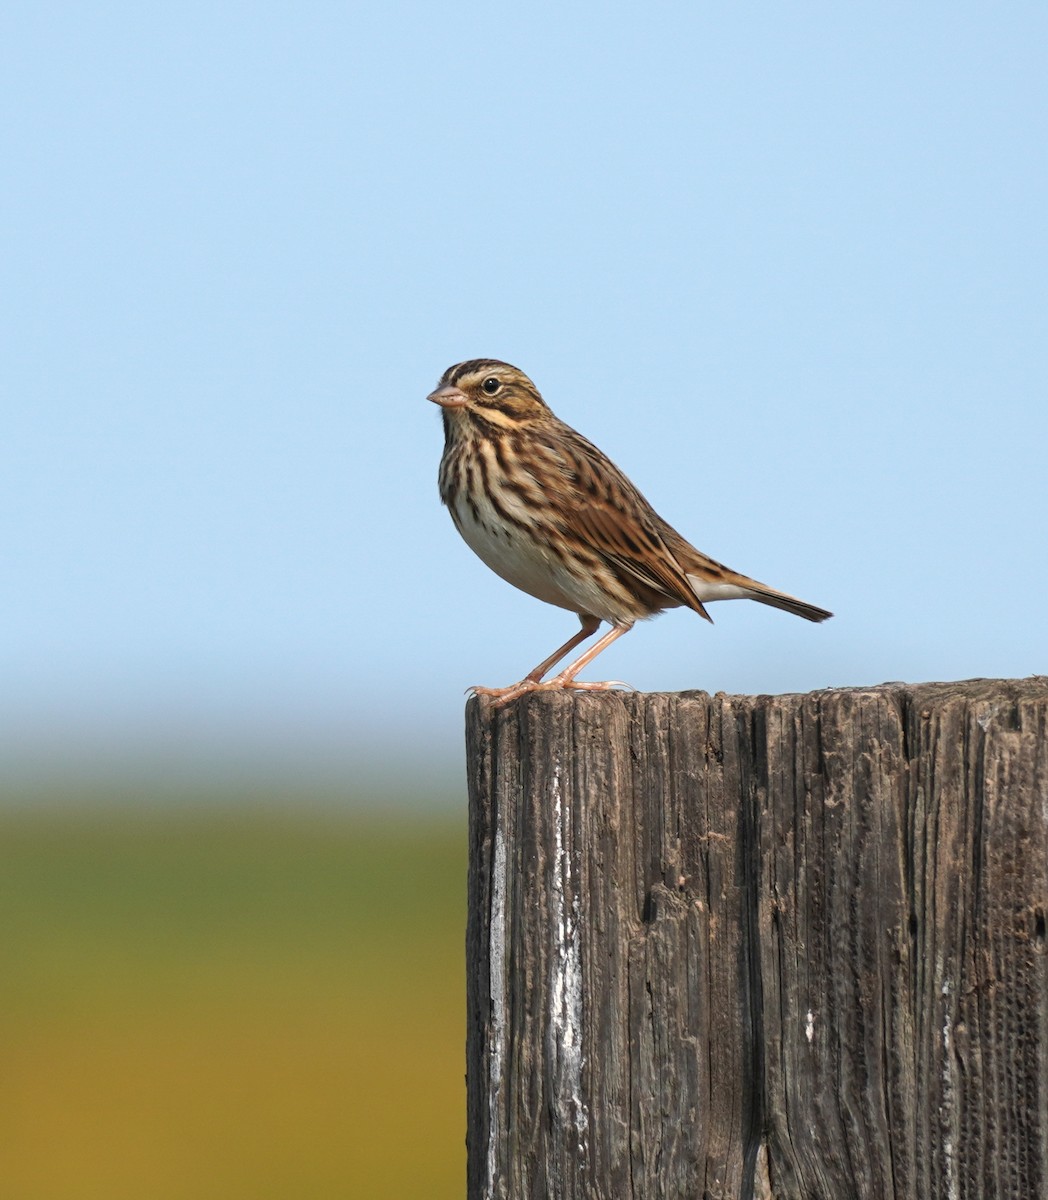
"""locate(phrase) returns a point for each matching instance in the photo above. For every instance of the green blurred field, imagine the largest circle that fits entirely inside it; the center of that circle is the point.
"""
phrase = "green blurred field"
(230, 1004)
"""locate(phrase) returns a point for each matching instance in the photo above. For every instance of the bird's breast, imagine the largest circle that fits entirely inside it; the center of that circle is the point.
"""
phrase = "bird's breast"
(516, 534)
(527, 558)
(521, 556)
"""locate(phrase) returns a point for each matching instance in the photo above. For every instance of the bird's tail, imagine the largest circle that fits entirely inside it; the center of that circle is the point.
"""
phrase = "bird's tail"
(729, 585)
(790, 604)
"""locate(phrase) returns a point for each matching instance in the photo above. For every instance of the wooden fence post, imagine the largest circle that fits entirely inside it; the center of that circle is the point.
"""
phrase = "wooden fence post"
(769, 948)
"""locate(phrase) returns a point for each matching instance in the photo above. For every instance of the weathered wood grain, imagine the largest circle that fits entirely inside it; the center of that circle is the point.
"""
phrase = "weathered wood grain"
(785, 947)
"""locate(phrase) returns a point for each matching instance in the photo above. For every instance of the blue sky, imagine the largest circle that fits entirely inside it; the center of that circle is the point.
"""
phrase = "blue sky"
(786, 265)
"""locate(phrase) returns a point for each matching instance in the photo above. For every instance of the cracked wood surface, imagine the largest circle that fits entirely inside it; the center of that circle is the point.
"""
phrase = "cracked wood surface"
(768, 948)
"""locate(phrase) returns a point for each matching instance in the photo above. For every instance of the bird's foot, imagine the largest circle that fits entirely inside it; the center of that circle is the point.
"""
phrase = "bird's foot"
(501, 696)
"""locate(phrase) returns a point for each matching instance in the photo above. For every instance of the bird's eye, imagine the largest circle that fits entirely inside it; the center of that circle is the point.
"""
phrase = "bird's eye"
(491, 386)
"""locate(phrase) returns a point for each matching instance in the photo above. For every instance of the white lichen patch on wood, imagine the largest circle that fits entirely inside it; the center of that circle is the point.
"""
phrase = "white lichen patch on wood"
(497, 990)
(565, 982)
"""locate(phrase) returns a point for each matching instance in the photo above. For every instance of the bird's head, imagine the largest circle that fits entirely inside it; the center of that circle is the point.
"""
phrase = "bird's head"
(486, 390)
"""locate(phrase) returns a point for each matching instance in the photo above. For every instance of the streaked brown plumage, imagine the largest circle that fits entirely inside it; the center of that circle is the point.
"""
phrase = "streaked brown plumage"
(546, 510)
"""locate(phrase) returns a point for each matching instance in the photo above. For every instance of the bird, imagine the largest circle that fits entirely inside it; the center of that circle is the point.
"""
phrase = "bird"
(552, 515)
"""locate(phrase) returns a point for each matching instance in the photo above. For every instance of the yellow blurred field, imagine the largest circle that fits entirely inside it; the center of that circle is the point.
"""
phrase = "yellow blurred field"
(234, 1004)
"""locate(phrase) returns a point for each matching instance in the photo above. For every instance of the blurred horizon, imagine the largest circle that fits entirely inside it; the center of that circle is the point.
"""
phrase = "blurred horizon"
(115, 774)
(232, 761)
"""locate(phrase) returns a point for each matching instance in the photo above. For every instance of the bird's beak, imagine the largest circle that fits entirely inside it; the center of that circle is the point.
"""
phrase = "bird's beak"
(449, 397)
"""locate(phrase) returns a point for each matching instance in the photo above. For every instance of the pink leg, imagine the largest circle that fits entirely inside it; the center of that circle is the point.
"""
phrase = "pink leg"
(590, 625)
(566, 679)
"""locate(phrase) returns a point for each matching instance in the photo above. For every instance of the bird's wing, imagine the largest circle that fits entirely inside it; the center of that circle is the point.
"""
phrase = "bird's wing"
(609, 515)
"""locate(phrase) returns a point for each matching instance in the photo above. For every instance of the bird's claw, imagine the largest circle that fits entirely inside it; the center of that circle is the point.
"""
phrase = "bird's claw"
(608, 685)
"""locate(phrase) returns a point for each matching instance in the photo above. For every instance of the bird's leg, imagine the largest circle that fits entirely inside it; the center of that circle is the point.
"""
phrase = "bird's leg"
(566, 679)
(590, 625)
